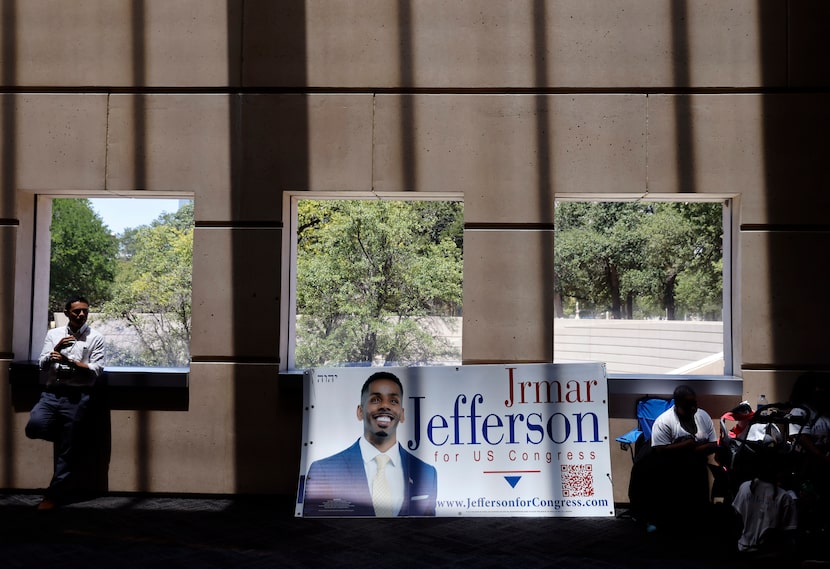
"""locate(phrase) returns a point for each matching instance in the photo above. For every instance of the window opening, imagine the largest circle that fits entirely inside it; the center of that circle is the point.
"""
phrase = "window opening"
(640, 286)
(133, 259)
(376, 282)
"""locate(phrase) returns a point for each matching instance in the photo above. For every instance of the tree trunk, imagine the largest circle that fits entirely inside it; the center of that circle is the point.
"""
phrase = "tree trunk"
(668, 296)
(558, 310)
(370, 344)
(614, 290)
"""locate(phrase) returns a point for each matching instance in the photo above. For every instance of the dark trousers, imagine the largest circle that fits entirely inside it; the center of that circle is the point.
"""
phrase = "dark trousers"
(669, 489)
(58, 417)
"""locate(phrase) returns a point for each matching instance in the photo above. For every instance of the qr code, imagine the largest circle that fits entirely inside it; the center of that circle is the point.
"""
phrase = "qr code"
(577, 480)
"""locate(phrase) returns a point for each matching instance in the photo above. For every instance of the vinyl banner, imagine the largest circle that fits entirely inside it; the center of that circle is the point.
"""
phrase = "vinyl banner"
(488, 440)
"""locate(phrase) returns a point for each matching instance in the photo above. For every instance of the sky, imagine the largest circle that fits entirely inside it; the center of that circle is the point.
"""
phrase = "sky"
(120, 213)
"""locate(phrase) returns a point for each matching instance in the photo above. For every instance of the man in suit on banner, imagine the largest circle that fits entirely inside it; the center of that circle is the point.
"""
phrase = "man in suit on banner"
(375, 476)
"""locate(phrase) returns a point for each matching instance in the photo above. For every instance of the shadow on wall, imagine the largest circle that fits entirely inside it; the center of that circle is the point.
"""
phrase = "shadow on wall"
(795, 126)
(8, 188)
(269, 149)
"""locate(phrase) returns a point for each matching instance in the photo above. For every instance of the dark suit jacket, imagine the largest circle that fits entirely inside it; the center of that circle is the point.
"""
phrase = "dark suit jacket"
(337, 486)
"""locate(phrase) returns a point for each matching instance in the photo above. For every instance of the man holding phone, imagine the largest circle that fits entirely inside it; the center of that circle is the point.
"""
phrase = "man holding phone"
(72, 359)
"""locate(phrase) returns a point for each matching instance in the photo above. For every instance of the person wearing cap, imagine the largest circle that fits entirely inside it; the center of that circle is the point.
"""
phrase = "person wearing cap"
(72, 359)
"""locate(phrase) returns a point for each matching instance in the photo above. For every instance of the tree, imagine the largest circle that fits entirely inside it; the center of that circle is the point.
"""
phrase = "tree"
(370, 273)
(647, 258)
(596, 245)
(152, 292)
(699, 288)
(83, 254)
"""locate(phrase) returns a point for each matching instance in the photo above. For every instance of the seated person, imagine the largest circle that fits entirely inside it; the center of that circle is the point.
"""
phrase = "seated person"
(681, 439)
(810, 435)
(767, 512)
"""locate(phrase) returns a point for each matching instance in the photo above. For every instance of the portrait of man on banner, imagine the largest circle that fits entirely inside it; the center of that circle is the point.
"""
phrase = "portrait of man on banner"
(375, 476)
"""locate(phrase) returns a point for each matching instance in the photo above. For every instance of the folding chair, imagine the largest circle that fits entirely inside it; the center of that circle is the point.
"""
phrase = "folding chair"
(649, 408)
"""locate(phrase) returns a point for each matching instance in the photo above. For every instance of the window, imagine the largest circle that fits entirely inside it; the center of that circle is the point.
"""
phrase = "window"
(375, 282)
(132, 258)
(640, 285)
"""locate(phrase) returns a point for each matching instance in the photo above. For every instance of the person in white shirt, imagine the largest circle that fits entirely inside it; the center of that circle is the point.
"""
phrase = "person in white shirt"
(810, 435)
(768, 515)
(72, 359)
(681, 439)
(684, 426)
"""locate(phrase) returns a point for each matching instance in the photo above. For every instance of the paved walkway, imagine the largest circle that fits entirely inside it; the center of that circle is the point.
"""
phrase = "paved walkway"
(240, 532)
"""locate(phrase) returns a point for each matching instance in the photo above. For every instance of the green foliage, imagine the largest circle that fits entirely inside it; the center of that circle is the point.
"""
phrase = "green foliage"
(152, 292)
(83, 254)
(639, 259)
(370, 273)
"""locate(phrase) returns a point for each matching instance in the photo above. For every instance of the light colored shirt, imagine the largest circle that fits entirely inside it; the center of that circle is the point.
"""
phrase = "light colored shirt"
(667, 428)
(88, 348)
(762, 508)
(815, 426)
(394, 470)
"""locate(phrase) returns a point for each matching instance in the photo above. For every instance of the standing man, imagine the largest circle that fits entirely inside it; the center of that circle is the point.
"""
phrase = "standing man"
(374, 476)
(73, 357)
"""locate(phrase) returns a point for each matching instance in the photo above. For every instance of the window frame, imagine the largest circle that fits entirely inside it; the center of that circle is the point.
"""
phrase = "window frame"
(37, 265)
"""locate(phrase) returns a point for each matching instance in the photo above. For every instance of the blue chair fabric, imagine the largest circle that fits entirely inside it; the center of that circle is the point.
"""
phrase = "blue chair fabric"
(648, 409)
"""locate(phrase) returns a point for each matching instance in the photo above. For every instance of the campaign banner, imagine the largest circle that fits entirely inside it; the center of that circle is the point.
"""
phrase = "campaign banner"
(481, 440)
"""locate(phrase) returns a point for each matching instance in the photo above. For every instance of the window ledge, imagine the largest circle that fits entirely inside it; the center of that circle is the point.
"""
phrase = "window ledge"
(126, 388)
(27, 374)
(158, 377)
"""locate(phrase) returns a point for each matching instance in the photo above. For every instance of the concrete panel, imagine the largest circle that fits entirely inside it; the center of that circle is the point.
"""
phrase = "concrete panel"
(24, 463)
(179, 451)
(795, 130)
(759, 146)
(809, 43)
(175, 143)
(87, 42)
(776, 385)
(268, 420)
(523, 44)
(783, 299)
(509, 154)
(190, 42)
(338, 43)
(508, 296)
(706, 144)
(621, 460)
(293, 142)
(654, 43)
(54, 142)
(100, 42)
(219, 444)
(236, 294)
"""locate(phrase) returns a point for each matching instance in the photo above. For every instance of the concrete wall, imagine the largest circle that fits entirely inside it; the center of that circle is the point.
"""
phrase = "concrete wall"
(509, 104)
(640, 346)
